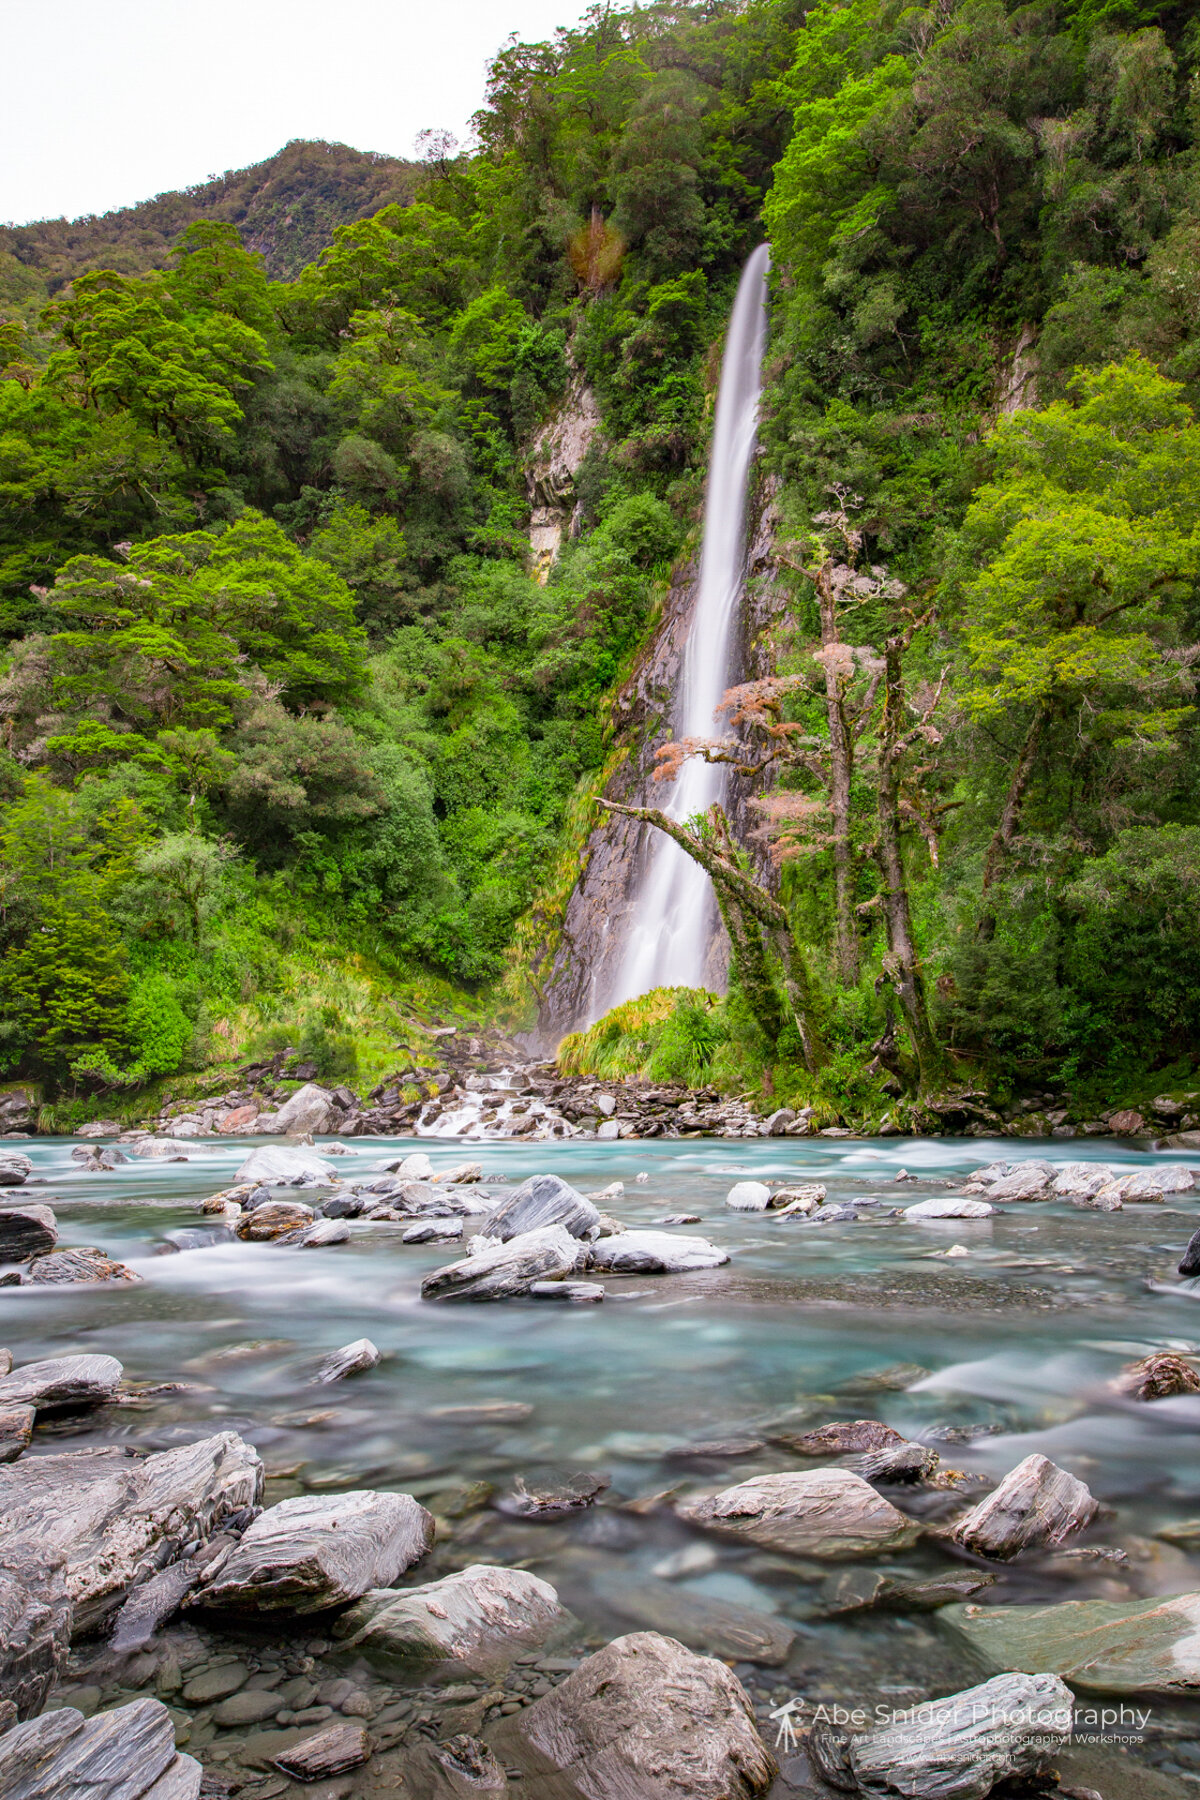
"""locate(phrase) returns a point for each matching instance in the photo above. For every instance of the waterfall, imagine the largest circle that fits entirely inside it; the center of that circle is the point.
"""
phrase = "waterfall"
(673, 919)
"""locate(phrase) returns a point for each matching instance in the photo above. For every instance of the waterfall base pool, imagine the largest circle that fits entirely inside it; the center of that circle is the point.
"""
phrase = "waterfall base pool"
(673, 1383)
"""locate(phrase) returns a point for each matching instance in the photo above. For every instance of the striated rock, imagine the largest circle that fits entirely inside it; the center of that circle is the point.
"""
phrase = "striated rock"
(309, 1109)
(127, 1753)
(749, 1196)
(1105, 1199)
(578, 1291)
(899, 1464)
(839, 1439)
(158, 1149)
(825, 1512)
(35, 1624)
(550, 1497)
(463, 1174)
(459, 1768)
(15, 1168)
(351, 1359)
(279, 1165)
(1109, 1646)
(160, 1598)
(26, 1231)
(1036, 1507)
(62, 1381)
(19, 1106)
(654, 1253)
(498, 1271)
(798, 1200)
(118, 1518)
(952, 1749)
(90, 1264)
(951, 1207)
(644, 1717)
(1030, 1181)
(325, 1232)
(274, 1219)
(482, 1617)
(16, 1429)
(701, 1621)
(1127, 1123)
(1080, 1180)
(433, 1231)
(331, 1752)
(1157, 1378)
(540, 1201)
(862, 1590)
(417, 1167)
(318, 1550)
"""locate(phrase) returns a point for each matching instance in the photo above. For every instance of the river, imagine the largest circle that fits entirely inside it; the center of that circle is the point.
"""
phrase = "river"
(806, 1323)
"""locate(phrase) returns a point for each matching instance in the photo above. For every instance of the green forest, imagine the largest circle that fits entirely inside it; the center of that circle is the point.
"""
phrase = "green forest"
(296, 745)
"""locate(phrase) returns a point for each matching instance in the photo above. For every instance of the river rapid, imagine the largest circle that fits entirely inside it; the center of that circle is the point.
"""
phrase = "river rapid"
(990, 1355)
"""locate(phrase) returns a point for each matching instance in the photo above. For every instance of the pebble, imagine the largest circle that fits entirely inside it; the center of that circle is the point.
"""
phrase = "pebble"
(215, 1683)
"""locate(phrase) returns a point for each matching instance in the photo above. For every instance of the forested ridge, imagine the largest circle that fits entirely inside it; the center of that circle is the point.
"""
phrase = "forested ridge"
(294, 739)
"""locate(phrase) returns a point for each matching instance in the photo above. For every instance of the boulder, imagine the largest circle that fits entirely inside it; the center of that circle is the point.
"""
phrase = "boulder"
(952, 1749)
(1108, 1646)
(158, 1149)
(901, 1464)
(240, 1119)
(341, 1746)
(16, 1429)
(118, 1518)
(1126, 1124)
(1157, 1377)
(1037, 1506)
(482, 1618)
(284, 1165)
(749, 1196)
(496, 1271)
(26, 1231)
(15, 1168)
(127, 1753)
(542, 1200)
(416, 1167)
(824, 1512)
(325, 1232)
(654, 1253)
(433, 1231)
(852, 1436)
(1189, 1262)
(351, 1359)
(83, 1263)
(19, 1106)
(645, 1717)
(951, 1206)
(274, 1219)
(98, 1128)
(309, 1109)
(1029, 1181)
(801, 1198)
(1079, 1180)
(62, 1381)
(35, 1624)
(318, 1550)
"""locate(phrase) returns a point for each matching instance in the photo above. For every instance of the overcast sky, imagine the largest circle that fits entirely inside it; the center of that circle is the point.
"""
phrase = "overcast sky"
(107, 102)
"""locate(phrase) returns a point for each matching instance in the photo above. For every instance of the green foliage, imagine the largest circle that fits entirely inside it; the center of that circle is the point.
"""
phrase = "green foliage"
(670, 1034)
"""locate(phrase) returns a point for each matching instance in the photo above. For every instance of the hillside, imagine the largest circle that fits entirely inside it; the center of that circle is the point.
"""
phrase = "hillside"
(286, 208)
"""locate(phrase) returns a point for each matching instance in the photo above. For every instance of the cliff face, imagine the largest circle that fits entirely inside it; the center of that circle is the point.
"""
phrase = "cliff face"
(575, 966)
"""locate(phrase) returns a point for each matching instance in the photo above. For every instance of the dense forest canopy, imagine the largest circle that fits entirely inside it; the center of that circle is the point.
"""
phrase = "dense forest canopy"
(284, 689)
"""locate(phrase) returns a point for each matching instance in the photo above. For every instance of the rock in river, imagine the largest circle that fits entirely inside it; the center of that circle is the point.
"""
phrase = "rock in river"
(318, 1550)
(853, 1436)
(116, 1518)
(1037, 1506)
(825, 1512)
(274, 1219)
(542, 1200)
(497, 1271)
(644, 1717)
(654, 1253)
(1109, 1646)
(127, 1753)
(15, 1168)
(339, 1747)
(351, 1359)
(482, 1618)
(952, 1206)
(749, 1196)
(62, 1381)
(280, 1165)
(26, 1231)
(952, 1749)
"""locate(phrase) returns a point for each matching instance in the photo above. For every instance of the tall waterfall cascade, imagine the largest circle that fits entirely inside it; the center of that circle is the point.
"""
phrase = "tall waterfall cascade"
(674, 918)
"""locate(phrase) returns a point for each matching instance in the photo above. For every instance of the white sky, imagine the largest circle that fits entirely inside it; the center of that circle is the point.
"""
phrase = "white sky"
(107, 102)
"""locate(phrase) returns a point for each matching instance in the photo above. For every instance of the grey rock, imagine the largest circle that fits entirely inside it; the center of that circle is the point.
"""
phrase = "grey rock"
(826, 1512)
(1108, 1646)
(542, 1200)
(351, 1359)
(15, 1168)
(459, 1768)
(127, 1753)
(1189, 1262)
(654, 1253)
(19, 1105)
(1036, 1507)
(497, 1271)
(578, 1291)
(159, 1149)
(35, 1624)
(116, 1518)
(482, 1618)
(1080, 1180)
(433, 1231)
(274, 1219)
(80, 1264)
(861, 1590)
(318, 1550)
(283, 1165)
(953, 1206)
(952, 1749)
(26, 1231)
(153, 1602)
(1030, 1181)
(324, 1233)
(16, 1429)
(331, 1752)
(644, 1717)
(62, 1381)
(309, 1109)
(551, 1496)
(843, 1437)
(749, 1196)
(899, 1463)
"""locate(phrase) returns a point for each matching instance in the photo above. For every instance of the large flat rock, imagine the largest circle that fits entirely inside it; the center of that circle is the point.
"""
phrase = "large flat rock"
(542, 1200)
(62, 1381)
(642, 1719)
(1108, 1646)
(125, 1754)
(118, 1518)
(822, 1512)
(498, 1271)
(654, 1253)
(318, 1550)
(482, 1617)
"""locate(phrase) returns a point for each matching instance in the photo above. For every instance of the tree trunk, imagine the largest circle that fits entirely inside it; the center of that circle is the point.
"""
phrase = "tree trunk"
(1010, 815)
(748, 959)
(753, 906)
(901, 964)
(841, 772)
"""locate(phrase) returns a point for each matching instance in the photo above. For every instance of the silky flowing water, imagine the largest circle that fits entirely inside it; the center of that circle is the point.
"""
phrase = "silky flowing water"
(806, 1324)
